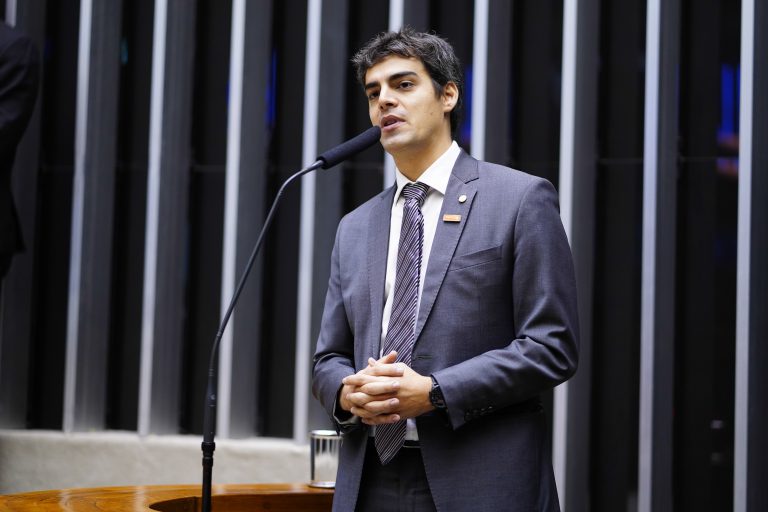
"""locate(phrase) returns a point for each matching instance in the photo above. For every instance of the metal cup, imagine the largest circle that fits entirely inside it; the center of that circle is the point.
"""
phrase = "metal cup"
(324, 457)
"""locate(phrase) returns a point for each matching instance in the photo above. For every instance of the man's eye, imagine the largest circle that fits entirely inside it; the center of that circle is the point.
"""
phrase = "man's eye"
(406, 85)
(373, 95)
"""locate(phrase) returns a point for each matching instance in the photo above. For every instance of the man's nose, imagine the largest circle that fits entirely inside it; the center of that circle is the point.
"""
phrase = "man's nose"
(386, 99)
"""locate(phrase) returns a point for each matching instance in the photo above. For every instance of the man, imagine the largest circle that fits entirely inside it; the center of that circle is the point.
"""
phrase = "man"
(18, 89)
(450, 308)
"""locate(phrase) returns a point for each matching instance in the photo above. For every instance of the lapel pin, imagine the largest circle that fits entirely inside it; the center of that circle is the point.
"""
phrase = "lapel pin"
(449, 217)
(462, 198)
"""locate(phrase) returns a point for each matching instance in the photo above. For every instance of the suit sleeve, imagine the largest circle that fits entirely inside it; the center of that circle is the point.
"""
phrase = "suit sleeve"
(334, 357)
(544, 352)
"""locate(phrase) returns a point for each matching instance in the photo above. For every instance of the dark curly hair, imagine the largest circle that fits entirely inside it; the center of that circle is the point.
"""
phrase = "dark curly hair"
(433, 51)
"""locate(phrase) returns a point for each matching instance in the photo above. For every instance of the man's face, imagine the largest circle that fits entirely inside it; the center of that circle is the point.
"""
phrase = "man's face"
(402, 101)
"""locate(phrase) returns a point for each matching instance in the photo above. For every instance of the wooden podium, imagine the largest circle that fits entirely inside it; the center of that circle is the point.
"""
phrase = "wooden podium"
(174, 498)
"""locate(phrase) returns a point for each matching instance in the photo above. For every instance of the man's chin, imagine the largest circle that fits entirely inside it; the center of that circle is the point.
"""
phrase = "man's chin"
(393, 144)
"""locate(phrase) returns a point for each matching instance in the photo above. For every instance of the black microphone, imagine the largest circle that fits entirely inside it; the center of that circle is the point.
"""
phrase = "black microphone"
(353, 146)
(328, 159)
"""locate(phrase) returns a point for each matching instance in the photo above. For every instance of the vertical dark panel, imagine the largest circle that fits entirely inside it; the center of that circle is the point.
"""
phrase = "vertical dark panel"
(53, 216)
(172, 243)
(334, 63)
(757, 399)
(499, 99)
(130, 214)
(93, 289)
(705, 343)
(537, 41)
(16, 299)
(616, 328)
(248, 320)
(659, 271)
(416, 14)
(582, 238)
(363, 173)
(206, 203)
(281, 258)
(454, 21)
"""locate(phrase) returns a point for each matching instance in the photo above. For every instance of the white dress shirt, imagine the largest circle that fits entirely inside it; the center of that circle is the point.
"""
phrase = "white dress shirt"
(436, 177)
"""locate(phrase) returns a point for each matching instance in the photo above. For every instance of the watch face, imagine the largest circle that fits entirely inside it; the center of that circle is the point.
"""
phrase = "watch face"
(436, 397)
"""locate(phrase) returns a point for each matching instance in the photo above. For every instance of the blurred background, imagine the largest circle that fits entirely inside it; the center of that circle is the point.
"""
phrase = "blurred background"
(164, 128)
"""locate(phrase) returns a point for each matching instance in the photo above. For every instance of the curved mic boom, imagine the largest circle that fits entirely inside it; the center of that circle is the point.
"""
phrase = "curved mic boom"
(351, 147)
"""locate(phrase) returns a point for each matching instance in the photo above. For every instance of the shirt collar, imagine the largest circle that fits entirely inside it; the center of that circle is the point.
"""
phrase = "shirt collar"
(436, 175)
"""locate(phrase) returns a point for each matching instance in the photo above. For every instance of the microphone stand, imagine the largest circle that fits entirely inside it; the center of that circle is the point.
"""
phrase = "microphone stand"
(209, 416)
(326, 160)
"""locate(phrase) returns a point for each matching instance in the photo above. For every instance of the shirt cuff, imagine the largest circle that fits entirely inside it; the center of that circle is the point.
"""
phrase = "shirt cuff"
(343, 418)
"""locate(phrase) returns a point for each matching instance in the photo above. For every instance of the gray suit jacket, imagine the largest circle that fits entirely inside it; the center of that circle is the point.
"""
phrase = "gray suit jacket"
(497, 325)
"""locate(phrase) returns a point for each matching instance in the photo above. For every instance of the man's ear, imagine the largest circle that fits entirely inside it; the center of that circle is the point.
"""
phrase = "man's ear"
(450, 96)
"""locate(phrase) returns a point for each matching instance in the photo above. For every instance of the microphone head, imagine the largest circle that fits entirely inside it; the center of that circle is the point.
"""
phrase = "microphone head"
(351, 147)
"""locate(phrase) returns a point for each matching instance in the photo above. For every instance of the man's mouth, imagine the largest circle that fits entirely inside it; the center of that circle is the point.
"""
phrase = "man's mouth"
(389, 123)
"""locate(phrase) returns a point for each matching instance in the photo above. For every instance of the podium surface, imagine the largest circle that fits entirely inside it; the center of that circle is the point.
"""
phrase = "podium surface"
(174, 498)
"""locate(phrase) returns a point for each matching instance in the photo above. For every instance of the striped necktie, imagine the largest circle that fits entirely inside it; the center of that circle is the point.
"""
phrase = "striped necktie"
(402, 321)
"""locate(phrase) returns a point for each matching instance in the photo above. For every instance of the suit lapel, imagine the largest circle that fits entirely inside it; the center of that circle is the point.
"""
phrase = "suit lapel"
(447, 234)
(378, 243)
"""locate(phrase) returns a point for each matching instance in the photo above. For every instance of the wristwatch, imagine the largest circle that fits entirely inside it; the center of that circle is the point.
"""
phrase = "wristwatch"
(436, 395)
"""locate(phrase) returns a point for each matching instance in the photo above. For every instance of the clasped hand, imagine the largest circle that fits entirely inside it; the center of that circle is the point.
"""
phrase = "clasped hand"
(385, 392)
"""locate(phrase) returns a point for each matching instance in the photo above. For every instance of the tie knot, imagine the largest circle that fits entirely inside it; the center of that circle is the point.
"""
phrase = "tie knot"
(417, 191)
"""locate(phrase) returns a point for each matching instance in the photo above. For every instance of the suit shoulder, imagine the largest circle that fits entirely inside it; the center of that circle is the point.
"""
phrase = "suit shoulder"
(506, 179)
(502, 172)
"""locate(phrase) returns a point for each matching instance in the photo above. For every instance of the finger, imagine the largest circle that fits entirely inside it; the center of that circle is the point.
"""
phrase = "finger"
(388, 358)
(387, 370)
(359, 399)
(362, 413)
(376, 408)
(388, 406)
(360, 379)
(379, 388)
(381, 419)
